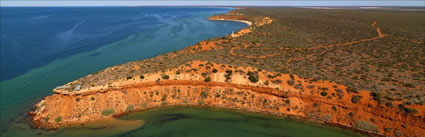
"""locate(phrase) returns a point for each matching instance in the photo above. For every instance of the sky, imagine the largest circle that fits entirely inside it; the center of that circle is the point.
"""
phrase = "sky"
(35, 3)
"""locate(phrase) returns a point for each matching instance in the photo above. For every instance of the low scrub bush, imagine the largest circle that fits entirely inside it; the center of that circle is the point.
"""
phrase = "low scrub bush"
(204, 94)
(129, 108)
(324, 93)
(107, 112)
(291, 82)
(365, 125)
(208, 79)
(355, 99)
(58, 119)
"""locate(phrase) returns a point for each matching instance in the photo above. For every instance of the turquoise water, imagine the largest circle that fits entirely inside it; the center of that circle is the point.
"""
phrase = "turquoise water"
(153, 31)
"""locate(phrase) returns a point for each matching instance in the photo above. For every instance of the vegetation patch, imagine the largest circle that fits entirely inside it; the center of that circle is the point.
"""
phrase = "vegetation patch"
(365, 125)
(291, 82)
(165, 77)
(204, 94)
(129, 108)
(356, 99)
(58, 119)
(107, 112)
(201, 102)
(208, 79)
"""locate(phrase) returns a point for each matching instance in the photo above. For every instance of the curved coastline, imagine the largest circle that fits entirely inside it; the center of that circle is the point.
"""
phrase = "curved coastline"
(218, 81)
(249, 23)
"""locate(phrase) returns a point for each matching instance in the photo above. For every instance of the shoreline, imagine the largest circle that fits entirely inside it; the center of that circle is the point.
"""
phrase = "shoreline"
(249, 23)
(271, 92)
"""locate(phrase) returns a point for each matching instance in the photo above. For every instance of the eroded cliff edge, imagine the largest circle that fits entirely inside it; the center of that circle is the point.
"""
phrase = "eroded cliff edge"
(211, 84)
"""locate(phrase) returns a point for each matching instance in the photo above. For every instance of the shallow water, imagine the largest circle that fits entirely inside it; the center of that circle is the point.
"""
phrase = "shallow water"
(204, 122)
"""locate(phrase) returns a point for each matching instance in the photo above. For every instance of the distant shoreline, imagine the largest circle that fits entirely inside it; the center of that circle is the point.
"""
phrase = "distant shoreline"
(249, 23)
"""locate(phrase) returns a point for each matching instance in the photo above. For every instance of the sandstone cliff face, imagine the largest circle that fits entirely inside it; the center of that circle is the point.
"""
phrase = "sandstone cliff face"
(216, 85)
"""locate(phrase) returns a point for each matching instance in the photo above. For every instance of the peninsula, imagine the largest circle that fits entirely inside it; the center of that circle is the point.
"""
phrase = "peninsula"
(358, 69)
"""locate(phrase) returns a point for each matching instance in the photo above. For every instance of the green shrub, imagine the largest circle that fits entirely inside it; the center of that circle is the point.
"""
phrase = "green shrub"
(229, 71)
(324, 93)
(142, 77)
(388, 129)
(264, 102)
(351, 114)
(376, 96)
(389, 104)
(310, 86)
(389, 98)
(200, 102)
(58, 119)
(107, 112)
(92, 98)
(372, 120)
(164, 97)
(354, 90)
(355, 99)
(129, 77)
(165, 77)
(409, 85)
(204, 94)
(208, 79)
(410, 110)
(287, 101)
(253, 78)
(164, 103)
(278, 81)
(129, 108)
(365, 125)
(291, 82)
(46, 119)
(407, 110)
(214, 70)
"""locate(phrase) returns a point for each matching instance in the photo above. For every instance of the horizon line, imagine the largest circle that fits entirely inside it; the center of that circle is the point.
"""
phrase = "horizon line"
(329, 3)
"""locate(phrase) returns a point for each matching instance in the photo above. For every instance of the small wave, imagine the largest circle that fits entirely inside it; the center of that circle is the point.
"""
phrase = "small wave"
(38, 19)
(67, 36)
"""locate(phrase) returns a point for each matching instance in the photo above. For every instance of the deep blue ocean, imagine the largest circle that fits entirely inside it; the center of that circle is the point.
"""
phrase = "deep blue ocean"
(33, 37)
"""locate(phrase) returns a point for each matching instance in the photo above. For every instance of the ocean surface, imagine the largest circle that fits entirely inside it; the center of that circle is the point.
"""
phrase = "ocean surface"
(45, 47)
